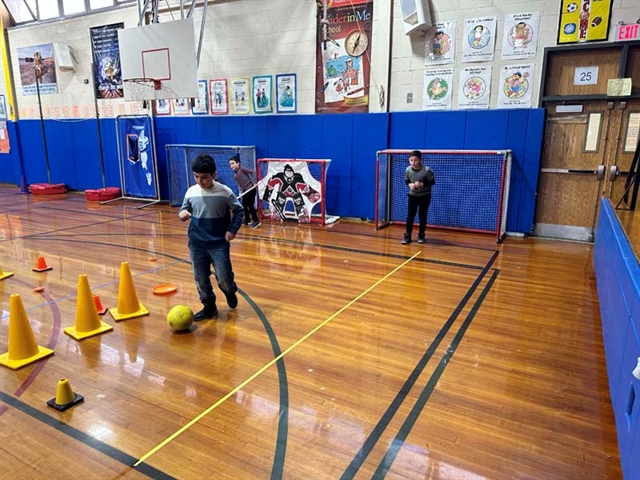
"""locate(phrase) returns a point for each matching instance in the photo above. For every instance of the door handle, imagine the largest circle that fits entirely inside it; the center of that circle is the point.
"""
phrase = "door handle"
(613, 172)
(600, 172)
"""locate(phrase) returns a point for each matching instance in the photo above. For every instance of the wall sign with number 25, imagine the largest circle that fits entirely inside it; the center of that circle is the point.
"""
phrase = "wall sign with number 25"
(585, 76)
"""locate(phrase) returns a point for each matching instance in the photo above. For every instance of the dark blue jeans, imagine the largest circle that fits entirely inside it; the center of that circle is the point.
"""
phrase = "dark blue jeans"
(218, 255)
(418, 205)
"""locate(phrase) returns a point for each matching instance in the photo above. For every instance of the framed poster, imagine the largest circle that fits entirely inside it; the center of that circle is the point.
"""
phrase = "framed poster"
(287, 100)
(162, 106)
(200, 105)
(180, 106)
(3, 108)
(584, 20)
(37, 61)
(240, 96)
(218, 98)
(262, 96)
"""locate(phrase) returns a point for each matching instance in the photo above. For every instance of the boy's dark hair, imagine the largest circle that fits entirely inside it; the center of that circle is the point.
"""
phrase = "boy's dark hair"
(204, 163)
(236, 159)
(416, 153)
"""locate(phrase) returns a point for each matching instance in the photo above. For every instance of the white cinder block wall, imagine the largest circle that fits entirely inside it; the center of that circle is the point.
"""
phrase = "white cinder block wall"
(258, 37)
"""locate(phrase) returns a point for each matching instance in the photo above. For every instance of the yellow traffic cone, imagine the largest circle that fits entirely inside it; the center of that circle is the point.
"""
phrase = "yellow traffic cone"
(65, 398)
(128, 305)
(23, 349)
(88, 322)
(4, 275)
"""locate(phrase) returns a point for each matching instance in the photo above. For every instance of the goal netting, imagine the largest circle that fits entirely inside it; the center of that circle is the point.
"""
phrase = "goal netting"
(471, 191)
(180, 159)
(293, 189)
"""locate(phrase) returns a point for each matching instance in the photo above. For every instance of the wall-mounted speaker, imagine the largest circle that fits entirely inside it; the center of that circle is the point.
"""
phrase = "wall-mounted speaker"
(65, 60)
(416, 16)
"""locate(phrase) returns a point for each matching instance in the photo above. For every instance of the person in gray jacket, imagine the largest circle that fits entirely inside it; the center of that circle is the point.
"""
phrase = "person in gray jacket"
(419, 178)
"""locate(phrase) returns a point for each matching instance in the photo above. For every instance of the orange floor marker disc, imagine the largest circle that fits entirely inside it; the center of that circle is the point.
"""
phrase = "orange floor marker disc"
(38, 289)
(165, 289)
(152, 259)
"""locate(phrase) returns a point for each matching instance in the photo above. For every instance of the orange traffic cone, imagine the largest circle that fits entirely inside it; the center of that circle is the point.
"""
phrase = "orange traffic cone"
(23, 349)
(128, 305)
(88, 322)
(4, 275)
(42, 266)
(65, 398)
(101, 310)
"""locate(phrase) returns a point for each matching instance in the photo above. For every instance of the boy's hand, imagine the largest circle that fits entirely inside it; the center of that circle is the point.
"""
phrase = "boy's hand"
(184, 215)
(229, 236)
(412, 186)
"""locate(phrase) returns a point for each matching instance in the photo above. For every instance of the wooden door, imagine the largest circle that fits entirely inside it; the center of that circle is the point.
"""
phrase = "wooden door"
(621, 148)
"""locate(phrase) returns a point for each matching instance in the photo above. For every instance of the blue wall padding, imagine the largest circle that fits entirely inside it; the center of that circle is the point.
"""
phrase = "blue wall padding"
(10, 162)
(350, 141)
(618, 281)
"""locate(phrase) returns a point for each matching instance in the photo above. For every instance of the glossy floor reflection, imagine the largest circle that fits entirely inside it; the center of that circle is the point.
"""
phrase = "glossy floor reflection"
(349, 356)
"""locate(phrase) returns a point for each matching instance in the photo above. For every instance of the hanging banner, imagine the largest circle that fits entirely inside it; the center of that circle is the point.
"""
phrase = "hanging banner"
(516, 86)
(520, 38)
(218, 96)
(37, 61)
(262, 97)
(478, 39)
(440, 48)
(137, 156)
(106, 60)
(475, 87)
(287, 93)
(343, 56)
(240, 96)
(4, 138)
(584, 20)
(437, 91)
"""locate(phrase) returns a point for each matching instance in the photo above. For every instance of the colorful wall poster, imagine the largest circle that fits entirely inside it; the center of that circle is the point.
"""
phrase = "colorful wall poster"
(438, 89)
(200, 105)
(440, 47)
(475, 88)
(106, 61)
(262, 94)
(520, 38)
(240, 96)
(5, 146)
(3, 108)
(218, 98)
(479, 39)
(37, 61)
(343, 56)
(180, 106)
(516, 86)
(584, 20)
(163, 106)
(286, 90)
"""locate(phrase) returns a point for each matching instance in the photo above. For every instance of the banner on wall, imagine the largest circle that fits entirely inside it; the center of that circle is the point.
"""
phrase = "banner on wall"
(240, 96)
(37, 61)
(475, 87)
(584, 20)
(438, 89)
(286, 91)
(343, 56)
(135, 139)
(440, 47)
(520, 38)
(479, 39)
(516, 86)
(106, 60)
(262, 95)
(218, 96)
(4, 138)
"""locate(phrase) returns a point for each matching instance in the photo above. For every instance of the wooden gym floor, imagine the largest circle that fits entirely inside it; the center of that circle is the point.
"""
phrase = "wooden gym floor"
(349, 356)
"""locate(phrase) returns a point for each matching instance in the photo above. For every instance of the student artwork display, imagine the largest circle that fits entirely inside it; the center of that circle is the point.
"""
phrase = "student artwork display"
(584, 20)
(478, 39)
(262, 95)
(520, 38)
(343, 56)
(440, 48)
(3, 108)
(180, 106)
(240, 96)
(37, 61)
(475, 87)
(516, 86)
(200, 105)
(287, 101)
(163, 106)
(437, 90)
(218, 96)
(106, 61)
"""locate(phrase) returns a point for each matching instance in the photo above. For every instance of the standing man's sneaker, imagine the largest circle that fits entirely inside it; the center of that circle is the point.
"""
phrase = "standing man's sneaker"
(406, 239)
(255, 224)
(232, 301)
(209, 311)
(420, 238)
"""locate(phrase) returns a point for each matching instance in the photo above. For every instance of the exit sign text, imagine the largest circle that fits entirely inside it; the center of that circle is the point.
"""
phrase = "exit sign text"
(628, 32)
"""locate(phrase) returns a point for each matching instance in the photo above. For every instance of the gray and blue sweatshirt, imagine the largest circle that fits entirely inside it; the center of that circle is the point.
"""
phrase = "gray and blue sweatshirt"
(211, 213)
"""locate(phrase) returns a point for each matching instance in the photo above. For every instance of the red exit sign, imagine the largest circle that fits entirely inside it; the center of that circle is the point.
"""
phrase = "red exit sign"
(628, 32)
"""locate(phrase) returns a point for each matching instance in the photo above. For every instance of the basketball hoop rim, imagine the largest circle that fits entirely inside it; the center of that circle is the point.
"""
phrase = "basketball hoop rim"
(157, 84)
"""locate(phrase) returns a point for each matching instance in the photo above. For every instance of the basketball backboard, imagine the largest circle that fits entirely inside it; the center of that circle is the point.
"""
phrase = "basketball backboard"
(164, 52)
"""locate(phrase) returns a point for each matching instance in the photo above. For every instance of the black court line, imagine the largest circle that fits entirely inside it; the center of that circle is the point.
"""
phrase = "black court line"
(82, 212)
(395, 405)
(405, 429)
(82, 437)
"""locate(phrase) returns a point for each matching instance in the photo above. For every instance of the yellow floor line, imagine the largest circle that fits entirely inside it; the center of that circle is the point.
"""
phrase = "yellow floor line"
(271, 363)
